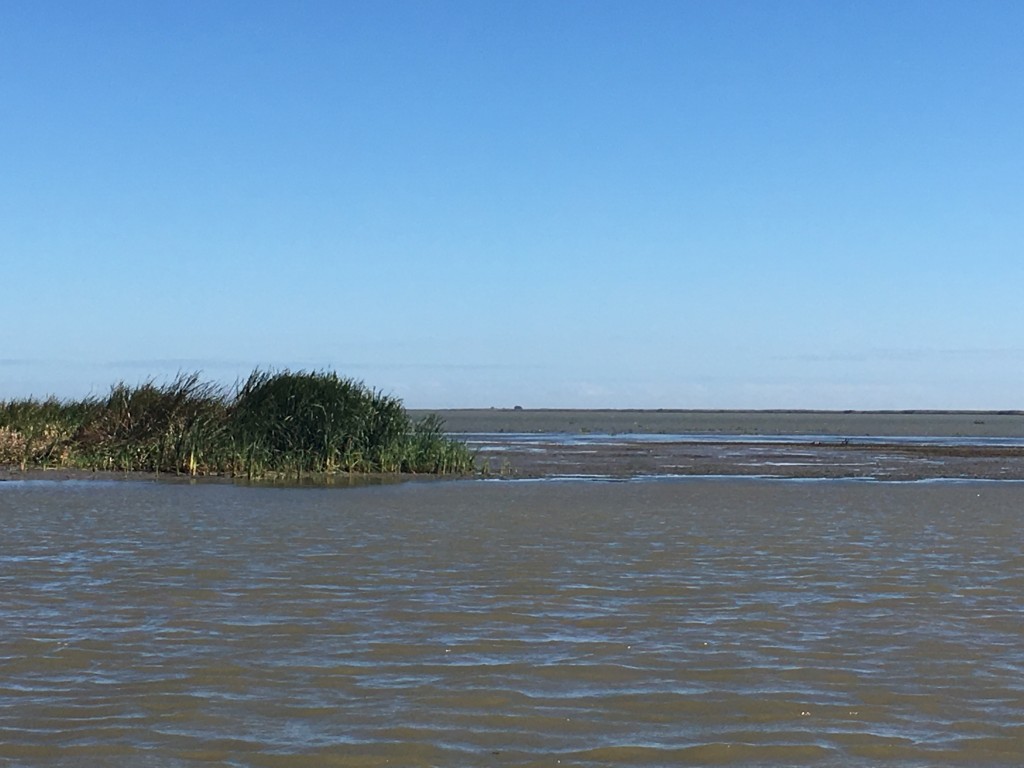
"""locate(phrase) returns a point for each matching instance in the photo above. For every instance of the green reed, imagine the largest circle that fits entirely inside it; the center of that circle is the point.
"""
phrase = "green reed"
(273, 425)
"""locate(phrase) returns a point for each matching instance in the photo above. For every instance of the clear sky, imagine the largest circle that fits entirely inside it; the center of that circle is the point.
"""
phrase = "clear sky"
(547, 204)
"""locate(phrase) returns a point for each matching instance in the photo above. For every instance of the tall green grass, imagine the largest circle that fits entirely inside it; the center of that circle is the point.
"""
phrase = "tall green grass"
(273, 424)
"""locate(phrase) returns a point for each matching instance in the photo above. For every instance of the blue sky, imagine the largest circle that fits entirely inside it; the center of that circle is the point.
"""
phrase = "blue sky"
(550, 204)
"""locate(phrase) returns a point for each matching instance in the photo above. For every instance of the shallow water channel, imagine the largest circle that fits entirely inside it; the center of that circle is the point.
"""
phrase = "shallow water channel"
(480, 623)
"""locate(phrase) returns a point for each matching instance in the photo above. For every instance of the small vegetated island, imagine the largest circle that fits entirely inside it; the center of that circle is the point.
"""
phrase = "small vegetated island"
(274, 425)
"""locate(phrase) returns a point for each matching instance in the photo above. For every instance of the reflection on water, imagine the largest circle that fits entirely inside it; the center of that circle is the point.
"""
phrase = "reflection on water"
(473, 623)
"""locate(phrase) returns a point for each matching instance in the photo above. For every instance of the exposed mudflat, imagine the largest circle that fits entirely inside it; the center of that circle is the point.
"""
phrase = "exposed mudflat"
(905, 445)
(546, 456)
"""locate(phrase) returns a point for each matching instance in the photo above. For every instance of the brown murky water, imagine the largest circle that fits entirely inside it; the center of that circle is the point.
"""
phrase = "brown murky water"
(501, 623)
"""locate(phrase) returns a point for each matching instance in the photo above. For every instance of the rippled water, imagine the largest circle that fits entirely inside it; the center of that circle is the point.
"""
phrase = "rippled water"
(512, 623)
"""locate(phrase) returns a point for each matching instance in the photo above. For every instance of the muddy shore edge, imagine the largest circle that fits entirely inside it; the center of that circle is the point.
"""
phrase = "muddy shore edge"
(820, 449)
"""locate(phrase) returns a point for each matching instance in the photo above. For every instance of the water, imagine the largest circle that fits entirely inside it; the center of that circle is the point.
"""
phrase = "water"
(512, 623)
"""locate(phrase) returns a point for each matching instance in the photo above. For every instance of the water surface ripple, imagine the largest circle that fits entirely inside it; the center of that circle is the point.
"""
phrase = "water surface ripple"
(510, 624)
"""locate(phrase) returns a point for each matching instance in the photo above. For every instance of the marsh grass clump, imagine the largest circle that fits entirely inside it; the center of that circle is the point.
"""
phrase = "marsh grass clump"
(178, 427)
(274, 424)
(39, 432)
(319, 422)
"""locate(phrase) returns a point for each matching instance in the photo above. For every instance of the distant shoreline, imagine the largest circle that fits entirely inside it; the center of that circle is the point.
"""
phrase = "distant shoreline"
(923, 423)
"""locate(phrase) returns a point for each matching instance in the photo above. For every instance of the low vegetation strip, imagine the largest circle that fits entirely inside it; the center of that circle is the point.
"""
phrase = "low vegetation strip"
(274, 424)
